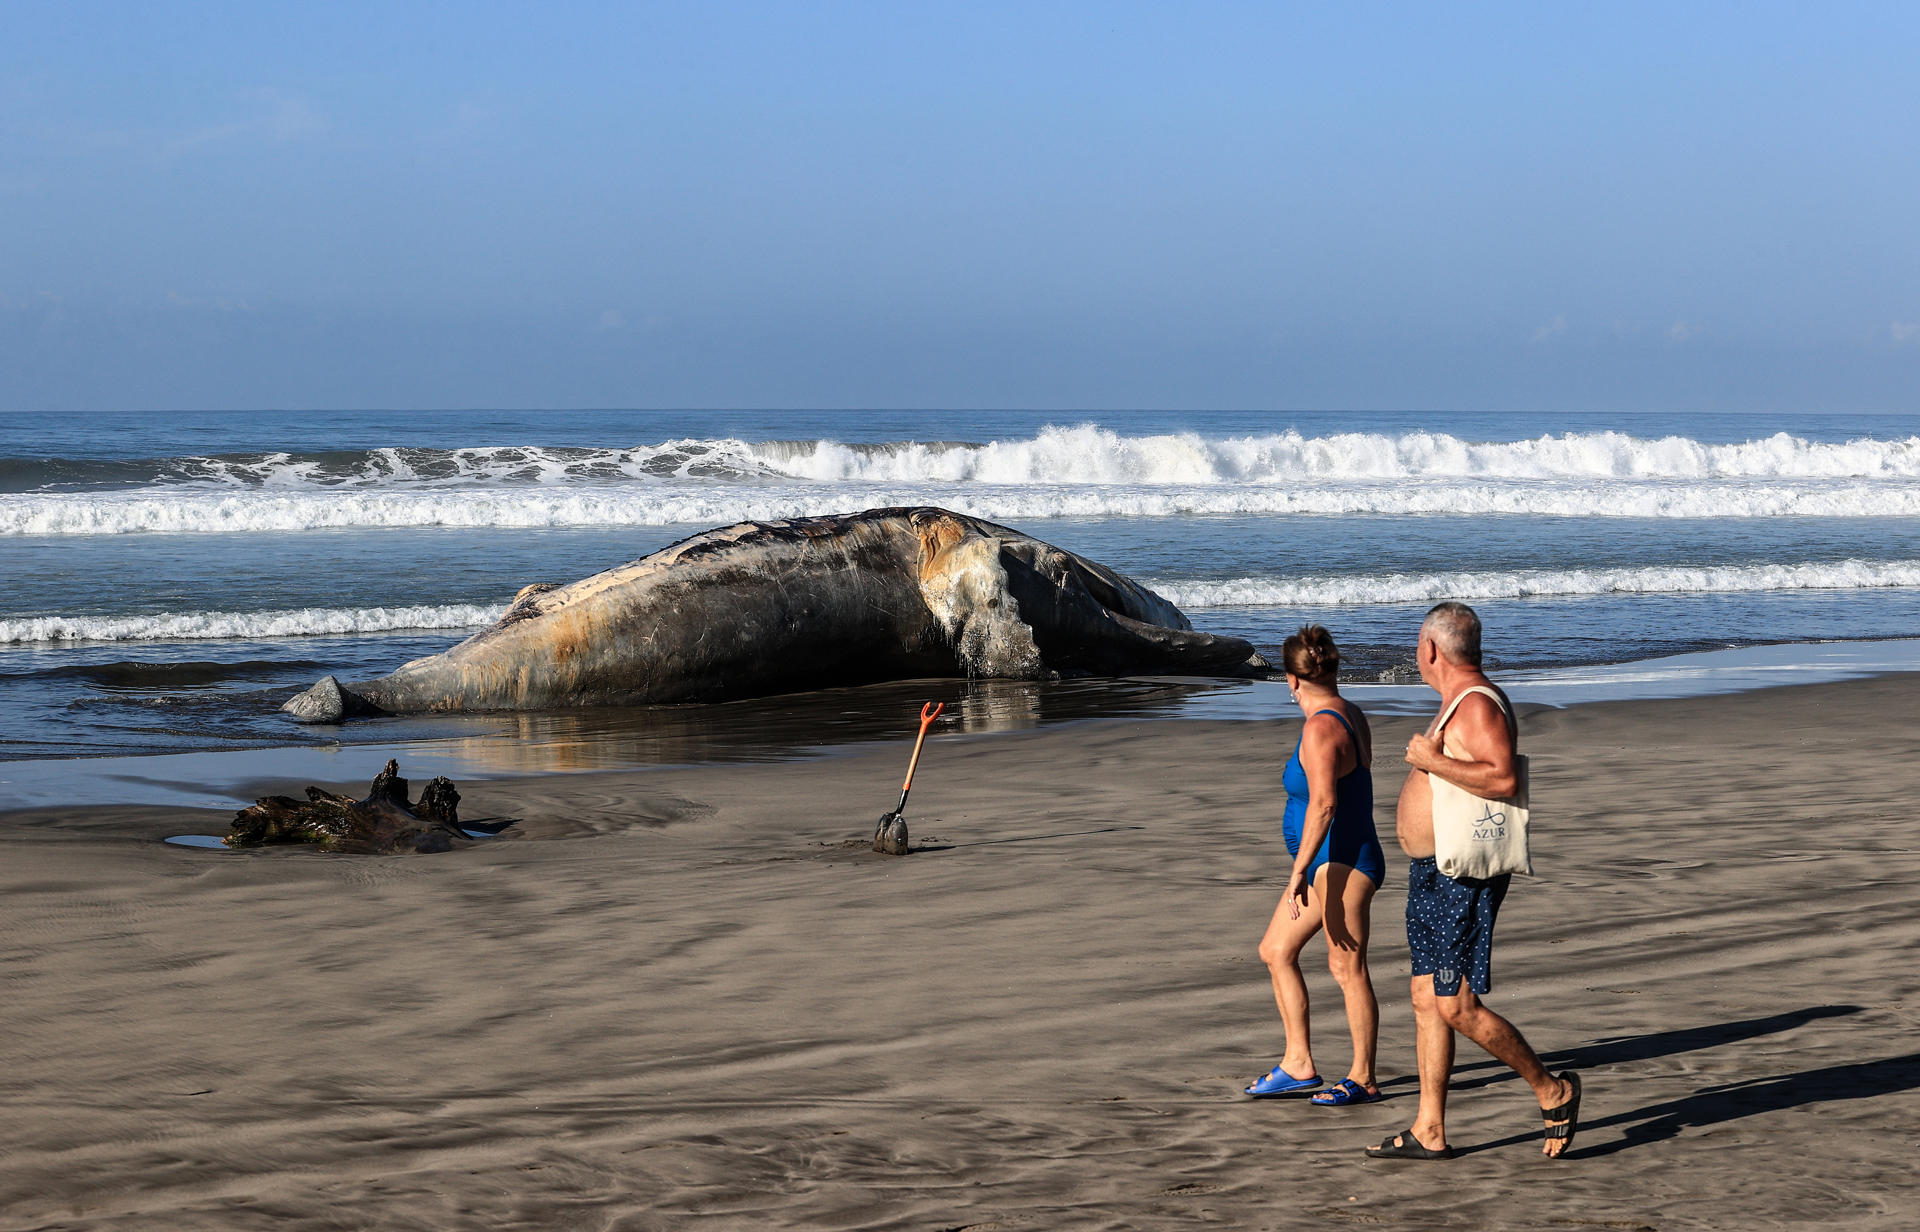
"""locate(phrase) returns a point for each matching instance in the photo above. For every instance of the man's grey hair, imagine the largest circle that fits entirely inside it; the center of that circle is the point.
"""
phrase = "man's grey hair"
(1455, 629)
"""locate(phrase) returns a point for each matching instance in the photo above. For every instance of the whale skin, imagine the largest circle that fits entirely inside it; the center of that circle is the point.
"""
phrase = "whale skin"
(768, 607)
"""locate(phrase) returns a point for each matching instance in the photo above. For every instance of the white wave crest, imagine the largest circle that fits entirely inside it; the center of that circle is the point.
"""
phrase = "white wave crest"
(195, 511)
(198, 626)
(1361, 590)
(1353, 591)
(1092, 455)
(523, 464)
(1069, 456)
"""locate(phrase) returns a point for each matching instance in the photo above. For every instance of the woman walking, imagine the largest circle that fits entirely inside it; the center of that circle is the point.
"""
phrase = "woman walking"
(1337, 866)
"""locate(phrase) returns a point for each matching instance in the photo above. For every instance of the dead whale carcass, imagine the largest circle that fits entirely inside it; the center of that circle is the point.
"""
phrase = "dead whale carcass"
(768, 607)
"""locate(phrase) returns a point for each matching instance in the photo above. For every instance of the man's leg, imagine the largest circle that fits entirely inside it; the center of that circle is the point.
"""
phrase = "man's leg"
(1433, 1050)
(1464, 1013)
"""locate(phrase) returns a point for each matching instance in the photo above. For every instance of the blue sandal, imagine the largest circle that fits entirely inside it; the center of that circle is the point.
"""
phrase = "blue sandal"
(1278, 1083)
(1344, 1092)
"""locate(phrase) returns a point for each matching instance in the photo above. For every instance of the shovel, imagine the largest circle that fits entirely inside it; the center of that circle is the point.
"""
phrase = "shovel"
(890, 835)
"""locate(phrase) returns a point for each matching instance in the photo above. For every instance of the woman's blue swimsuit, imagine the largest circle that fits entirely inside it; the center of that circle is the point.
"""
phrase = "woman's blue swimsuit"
(1350, 839)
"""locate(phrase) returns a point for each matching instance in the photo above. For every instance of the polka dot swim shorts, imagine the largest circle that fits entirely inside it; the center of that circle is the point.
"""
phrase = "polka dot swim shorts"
(1450, 927)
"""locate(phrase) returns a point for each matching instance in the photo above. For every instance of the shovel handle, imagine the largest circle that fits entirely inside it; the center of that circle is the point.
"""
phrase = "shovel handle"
(928, 713)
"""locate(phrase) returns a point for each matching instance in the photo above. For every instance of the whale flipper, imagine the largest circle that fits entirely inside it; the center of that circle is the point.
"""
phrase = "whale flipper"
(328, 701)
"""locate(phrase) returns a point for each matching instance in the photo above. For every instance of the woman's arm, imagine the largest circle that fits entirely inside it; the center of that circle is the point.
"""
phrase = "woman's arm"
(1320, 746)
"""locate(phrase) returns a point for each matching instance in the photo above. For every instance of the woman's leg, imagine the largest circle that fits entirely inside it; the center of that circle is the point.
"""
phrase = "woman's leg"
(1280, 950)
(1349, 895)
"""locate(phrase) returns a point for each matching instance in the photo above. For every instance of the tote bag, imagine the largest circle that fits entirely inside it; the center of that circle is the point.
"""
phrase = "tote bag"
(1475, 837)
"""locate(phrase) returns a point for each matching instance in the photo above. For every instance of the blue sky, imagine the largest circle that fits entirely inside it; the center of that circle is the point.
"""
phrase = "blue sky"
(1055, 206)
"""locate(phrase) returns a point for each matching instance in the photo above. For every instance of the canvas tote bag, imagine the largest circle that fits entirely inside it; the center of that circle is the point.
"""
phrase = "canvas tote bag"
(1475, 837)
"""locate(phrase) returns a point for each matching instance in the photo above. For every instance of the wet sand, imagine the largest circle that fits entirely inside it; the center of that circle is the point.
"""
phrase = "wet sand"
(690, 997)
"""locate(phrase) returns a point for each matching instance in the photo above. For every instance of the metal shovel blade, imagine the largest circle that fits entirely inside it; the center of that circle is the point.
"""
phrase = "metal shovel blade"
(890, 836)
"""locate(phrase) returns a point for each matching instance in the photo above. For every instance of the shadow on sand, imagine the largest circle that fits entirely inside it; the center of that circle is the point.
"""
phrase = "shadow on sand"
(1711, 1105)
(1718, 1105)
(1625, 1049)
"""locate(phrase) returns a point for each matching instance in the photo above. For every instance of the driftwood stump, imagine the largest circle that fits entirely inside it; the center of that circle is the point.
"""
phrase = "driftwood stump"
(382, 824)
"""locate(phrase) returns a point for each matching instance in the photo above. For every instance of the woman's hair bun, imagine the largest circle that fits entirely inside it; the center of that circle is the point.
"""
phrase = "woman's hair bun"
(1311, 655)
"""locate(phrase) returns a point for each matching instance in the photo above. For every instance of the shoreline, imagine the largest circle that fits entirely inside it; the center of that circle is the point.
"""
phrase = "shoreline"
(798, 727)
(692, 993)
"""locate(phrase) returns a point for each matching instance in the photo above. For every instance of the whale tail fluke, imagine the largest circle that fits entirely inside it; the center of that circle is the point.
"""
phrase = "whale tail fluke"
(329, 701)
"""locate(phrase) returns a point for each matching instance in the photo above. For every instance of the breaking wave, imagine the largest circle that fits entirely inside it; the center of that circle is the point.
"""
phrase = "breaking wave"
(1353, 591)
(1361, 590)
(1073, 472)
(182, 512)
(198, 626)
(1055, 455)
(1090, 455)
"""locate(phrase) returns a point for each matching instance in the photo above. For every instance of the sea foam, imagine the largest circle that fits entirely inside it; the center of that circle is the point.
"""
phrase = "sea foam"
(1086, 472)
(1055, 455)
(1091, 455)
(1360, 590)
(199, 626)
(1195, 593)
(186, 511)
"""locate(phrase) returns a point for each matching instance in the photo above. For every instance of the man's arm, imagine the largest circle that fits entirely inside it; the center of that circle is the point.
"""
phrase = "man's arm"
(1480, 731)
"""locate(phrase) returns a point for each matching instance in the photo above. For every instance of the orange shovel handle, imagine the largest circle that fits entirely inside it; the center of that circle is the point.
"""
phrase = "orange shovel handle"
(928, 713)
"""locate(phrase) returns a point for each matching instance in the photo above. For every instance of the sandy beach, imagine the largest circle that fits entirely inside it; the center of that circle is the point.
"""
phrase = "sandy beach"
(691, 998)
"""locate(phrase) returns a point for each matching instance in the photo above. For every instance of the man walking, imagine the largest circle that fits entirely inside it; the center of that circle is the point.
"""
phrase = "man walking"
(1450, 922)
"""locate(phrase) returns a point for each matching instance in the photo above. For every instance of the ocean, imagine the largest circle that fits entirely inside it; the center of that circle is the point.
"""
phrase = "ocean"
(171, 577)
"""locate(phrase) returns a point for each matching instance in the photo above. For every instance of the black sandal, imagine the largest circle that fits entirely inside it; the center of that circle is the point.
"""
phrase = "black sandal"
(1562, 1121)
(1406, 1146)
